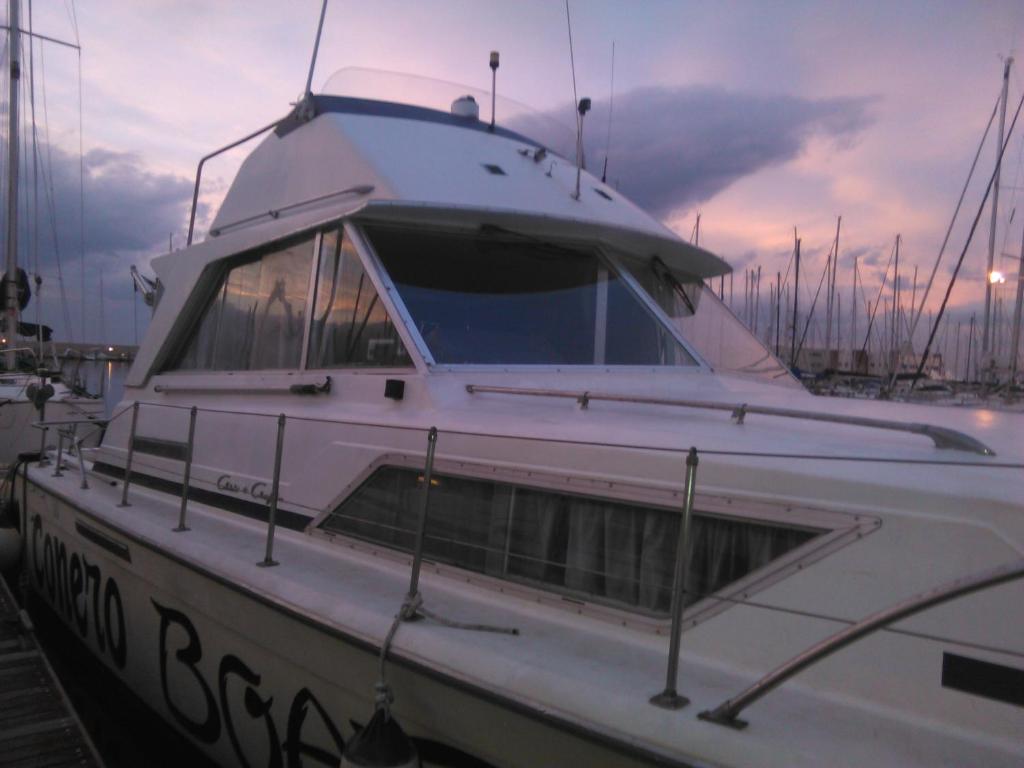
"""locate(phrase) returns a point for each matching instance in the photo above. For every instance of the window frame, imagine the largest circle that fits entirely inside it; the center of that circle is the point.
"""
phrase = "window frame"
(212, 282)
(214, 276)
(700, 365)
(837, 529)
(372, 270)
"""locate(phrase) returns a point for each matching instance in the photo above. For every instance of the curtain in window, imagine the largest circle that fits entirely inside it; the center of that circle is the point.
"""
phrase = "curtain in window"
(611, 550)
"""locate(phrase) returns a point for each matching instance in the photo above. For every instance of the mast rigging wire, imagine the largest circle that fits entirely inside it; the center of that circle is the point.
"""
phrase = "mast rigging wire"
(810, 313)
(952, 222)
(878, 300)
(963, 253)
(49, 195)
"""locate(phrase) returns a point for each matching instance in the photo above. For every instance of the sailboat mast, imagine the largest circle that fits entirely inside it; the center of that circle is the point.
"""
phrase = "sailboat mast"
(894, 324)
(986, 333)
(1017, 309)
(853, 316)
(796, 299)
(13, 142)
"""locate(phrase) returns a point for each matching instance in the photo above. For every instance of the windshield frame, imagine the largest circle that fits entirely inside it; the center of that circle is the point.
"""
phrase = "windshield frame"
(647, 302)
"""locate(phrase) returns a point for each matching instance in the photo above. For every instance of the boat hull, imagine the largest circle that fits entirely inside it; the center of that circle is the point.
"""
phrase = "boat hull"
(252, 681)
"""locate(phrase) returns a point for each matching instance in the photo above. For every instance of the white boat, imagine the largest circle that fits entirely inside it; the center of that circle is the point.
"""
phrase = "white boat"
(28, 398)
(378, 270)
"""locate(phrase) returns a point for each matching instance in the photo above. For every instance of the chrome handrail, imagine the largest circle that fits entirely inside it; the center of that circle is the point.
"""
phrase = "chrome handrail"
(942, 437)
(727, 712)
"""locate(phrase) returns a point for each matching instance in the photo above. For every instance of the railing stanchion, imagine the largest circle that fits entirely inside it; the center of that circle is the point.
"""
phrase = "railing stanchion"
(670, 698)
(412, 598)
(60, 454)
(81, 464)
(186, 476)
(42, 441)
(131, 452)
(268, 559)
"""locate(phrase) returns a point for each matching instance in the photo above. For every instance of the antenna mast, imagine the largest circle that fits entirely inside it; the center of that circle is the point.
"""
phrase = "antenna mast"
(611, 105)
(494, 83)
(316, 47)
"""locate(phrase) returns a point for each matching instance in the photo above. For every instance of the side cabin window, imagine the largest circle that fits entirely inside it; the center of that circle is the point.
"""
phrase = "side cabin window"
(350, 326)
(257, 318)
(614, 552)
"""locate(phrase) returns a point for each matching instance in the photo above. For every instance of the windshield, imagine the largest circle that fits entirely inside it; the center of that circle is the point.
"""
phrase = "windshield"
(706, 323)
(426, 92)
(495, 297)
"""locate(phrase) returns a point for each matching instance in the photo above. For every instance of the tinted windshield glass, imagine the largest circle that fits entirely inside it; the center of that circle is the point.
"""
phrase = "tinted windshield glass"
(495, 298)
(706, 323)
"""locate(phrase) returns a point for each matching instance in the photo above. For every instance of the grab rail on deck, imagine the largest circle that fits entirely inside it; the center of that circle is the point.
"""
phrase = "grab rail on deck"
(727, 712)
(942, 437)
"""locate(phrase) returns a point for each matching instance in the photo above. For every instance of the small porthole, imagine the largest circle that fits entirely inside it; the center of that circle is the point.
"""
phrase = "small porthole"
(495, 170)
(602, 193)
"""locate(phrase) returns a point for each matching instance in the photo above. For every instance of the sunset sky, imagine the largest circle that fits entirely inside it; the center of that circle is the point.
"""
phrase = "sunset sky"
(761, 116)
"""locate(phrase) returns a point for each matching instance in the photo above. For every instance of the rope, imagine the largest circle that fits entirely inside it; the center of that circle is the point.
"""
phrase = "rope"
(412, 608)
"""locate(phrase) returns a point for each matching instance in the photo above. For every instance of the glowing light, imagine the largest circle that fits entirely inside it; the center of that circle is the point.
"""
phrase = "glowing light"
(996, 276)
(110, 349)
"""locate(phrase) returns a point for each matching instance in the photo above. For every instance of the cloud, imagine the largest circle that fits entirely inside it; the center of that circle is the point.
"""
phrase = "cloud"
(129, 211)
(676, 147)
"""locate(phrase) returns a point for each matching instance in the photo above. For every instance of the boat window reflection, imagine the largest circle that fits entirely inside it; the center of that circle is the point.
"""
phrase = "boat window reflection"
(616, 552)
(350, 326)
(705, 322)
(497, 298)
(257, 317)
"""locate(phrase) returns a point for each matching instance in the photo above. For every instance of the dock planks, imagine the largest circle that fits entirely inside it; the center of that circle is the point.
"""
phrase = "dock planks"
(38, 726)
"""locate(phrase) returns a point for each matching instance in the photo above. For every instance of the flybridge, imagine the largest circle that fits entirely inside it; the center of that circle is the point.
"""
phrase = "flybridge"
(325, 104)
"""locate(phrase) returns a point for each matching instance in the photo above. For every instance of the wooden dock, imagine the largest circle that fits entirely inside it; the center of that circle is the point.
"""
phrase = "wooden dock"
(38, 725)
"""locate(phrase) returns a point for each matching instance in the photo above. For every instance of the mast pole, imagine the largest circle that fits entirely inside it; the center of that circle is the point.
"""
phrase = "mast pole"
(895, 329)
(970, 351)
(778, 308)
(987, 320)
(13, 143)
(1018, 307)
(853, 316)
(796, 301)
(757, 301)
(835, 272)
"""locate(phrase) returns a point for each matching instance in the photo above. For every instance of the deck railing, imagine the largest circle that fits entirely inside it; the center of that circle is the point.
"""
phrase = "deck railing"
(725, 714)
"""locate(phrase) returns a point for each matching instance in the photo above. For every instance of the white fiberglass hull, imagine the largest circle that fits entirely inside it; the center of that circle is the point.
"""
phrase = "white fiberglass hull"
(252, 680)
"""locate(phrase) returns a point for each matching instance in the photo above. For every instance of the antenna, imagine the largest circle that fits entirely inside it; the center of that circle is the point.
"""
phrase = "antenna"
(572, 62)
(611, 105)
(316, 48)
(584, 107)
(494, 83)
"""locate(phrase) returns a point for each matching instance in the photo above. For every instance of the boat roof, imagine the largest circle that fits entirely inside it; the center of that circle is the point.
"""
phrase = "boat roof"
(361, 155)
